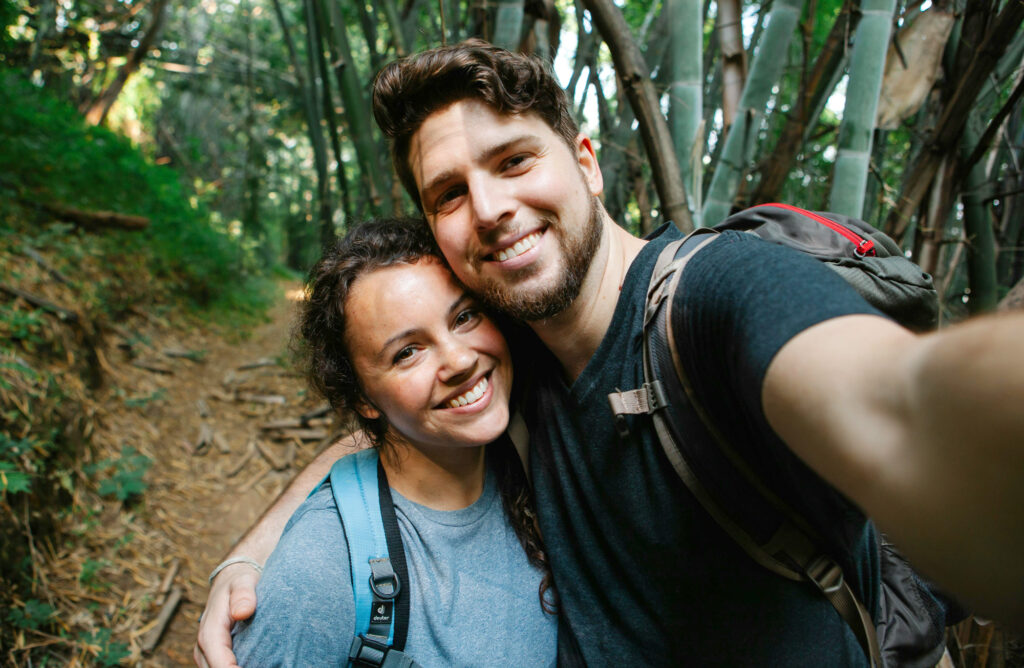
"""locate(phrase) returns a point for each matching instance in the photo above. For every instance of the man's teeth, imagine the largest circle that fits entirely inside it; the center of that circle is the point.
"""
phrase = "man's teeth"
(471, 396)
(518, 248)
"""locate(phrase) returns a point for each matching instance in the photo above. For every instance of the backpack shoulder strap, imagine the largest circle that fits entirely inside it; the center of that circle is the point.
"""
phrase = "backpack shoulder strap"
(783, 543)
(376, 559)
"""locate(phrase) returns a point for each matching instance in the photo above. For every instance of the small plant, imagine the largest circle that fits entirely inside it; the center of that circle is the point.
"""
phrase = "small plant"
(24, 326)
(108, 653)
(33, 615)
(142, 402)
(89, 575)
(13, 480)
(129, 470)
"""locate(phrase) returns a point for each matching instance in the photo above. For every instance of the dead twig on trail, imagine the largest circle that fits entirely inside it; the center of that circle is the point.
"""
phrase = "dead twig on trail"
(266, 361)
(46, 266)
(246, 458)
(272, 399)
(154, 366)
(277, 463)
(152, 638)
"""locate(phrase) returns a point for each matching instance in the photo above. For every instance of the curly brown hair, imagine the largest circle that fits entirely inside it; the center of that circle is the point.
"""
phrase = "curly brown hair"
(320, 344)
(410, 89)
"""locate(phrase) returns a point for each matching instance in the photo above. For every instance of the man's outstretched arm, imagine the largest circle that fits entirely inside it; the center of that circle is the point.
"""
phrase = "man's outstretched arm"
(232, 595)
(926, 434)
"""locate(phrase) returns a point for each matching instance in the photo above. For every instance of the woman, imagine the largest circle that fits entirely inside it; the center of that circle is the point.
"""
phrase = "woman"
(392, 337)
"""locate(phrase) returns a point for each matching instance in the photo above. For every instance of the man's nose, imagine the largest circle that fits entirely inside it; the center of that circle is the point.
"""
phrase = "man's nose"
(492, 201)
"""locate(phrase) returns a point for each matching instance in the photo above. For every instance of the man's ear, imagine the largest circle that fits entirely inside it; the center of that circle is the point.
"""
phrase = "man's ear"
(587, 160)
(366, 409)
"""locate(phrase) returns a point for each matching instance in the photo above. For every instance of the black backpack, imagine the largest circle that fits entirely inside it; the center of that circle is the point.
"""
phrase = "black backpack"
(912, 623)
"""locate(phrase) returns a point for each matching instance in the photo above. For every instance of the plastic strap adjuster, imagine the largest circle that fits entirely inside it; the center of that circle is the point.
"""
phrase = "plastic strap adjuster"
(826, 573)
(384, 581)
(366, 652)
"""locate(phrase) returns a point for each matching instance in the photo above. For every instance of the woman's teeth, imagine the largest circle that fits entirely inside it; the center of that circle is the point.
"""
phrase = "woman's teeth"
(471, 396)
(518, 248)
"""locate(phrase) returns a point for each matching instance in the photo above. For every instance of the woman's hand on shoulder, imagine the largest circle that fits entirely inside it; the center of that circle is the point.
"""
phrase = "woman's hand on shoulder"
(232, 599)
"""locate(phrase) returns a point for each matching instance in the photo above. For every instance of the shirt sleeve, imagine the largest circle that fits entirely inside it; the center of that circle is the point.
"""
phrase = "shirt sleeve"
(305, 613)
(740, 300)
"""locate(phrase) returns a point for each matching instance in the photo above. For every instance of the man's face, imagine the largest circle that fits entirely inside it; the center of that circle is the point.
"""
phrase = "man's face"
(512, 206)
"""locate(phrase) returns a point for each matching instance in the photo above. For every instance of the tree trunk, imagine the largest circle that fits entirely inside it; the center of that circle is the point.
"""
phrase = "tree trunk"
(951, 123)
(981, 244)
(508, 24)
(639, 88)
(857, 128)
(397, 29)
(357, 113)
(729, 28)
(685, 94)
(742, 139)
(323, 194)
(97, 111)
(814, 92)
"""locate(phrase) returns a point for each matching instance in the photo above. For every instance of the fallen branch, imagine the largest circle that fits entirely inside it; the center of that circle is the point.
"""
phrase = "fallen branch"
(95, 219)
(47, 267)
(262, 398)
(277, 463)
(266, 361)
(299, 434)
(152, 638)
(246, 458)
(65, 315)
(155, 367)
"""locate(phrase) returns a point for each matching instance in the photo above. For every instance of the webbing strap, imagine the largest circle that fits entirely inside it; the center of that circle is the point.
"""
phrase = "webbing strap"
(397, 553)
(376, 559)
(789, 552)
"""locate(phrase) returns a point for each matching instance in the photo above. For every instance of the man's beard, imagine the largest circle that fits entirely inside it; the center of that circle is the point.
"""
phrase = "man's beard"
(578, 251)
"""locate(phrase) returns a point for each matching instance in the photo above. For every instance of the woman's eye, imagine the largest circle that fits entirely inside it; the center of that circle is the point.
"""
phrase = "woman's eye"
(404, 354)
(466, 316)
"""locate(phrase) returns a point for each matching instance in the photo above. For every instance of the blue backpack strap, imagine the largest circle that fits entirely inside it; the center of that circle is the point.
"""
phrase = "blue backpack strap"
(364, 502)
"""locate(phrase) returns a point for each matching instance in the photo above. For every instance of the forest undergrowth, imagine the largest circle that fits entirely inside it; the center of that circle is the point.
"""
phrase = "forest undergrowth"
(143, 355)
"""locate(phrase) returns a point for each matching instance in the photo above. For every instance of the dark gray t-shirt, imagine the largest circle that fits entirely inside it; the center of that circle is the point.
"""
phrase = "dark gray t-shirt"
(644, 575)
(474, 594)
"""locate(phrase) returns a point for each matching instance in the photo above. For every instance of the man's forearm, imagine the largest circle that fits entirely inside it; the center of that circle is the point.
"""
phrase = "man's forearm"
(967, 435)
(262, 537)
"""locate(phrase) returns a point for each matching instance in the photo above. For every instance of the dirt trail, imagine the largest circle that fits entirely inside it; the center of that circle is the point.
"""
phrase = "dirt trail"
(199, 502)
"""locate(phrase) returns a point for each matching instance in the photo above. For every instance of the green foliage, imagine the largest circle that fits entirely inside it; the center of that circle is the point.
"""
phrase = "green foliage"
(89, 574)
(33, 615)
(12, 480)
(126, 474)
(108, 653)
(142, 402)
(49, 154)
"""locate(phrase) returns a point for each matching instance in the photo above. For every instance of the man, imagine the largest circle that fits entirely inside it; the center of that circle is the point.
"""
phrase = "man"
(785, 356)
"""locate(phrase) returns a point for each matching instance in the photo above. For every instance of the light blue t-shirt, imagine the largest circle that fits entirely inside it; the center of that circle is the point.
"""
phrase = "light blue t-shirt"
(474, 594)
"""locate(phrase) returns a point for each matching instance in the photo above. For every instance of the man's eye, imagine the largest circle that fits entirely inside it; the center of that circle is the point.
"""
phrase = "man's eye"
(515, 162)
(447, 197)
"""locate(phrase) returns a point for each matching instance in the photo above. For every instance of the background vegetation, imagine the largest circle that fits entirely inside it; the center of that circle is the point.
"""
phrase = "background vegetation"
(168, 158)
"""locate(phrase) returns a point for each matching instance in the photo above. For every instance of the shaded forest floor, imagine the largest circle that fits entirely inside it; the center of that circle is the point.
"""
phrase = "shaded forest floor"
(180, 429)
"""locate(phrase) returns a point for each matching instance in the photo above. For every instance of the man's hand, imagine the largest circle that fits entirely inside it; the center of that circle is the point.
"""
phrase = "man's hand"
(232, 598)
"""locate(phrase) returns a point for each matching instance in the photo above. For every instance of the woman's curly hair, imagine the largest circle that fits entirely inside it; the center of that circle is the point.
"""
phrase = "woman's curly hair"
(320, 344)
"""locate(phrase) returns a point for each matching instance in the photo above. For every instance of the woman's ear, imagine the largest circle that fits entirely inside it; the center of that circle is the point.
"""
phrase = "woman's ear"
(366, 409)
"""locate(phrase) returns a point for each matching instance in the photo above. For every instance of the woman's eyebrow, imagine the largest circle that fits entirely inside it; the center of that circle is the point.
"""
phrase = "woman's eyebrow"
(397, 337)
(464, 297)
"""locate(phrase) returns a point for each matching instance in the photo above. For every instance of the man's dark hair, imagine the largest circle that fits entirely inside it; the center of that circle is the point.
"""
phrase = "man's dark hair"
(409, 90)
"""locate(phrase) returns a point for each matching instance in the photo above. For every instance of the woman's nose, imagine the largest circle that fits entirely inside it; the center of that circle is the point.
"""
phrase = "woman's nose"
(458, 361)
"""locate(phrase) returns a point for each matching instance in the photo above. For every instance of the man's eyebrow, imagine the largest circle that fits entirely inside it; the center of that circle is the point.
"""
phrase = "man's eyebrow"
(485, 156)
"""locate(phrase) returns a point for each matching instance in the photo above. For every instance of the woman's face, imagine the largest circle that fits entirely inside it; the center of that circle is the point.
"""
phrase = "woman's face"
(427, 358)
